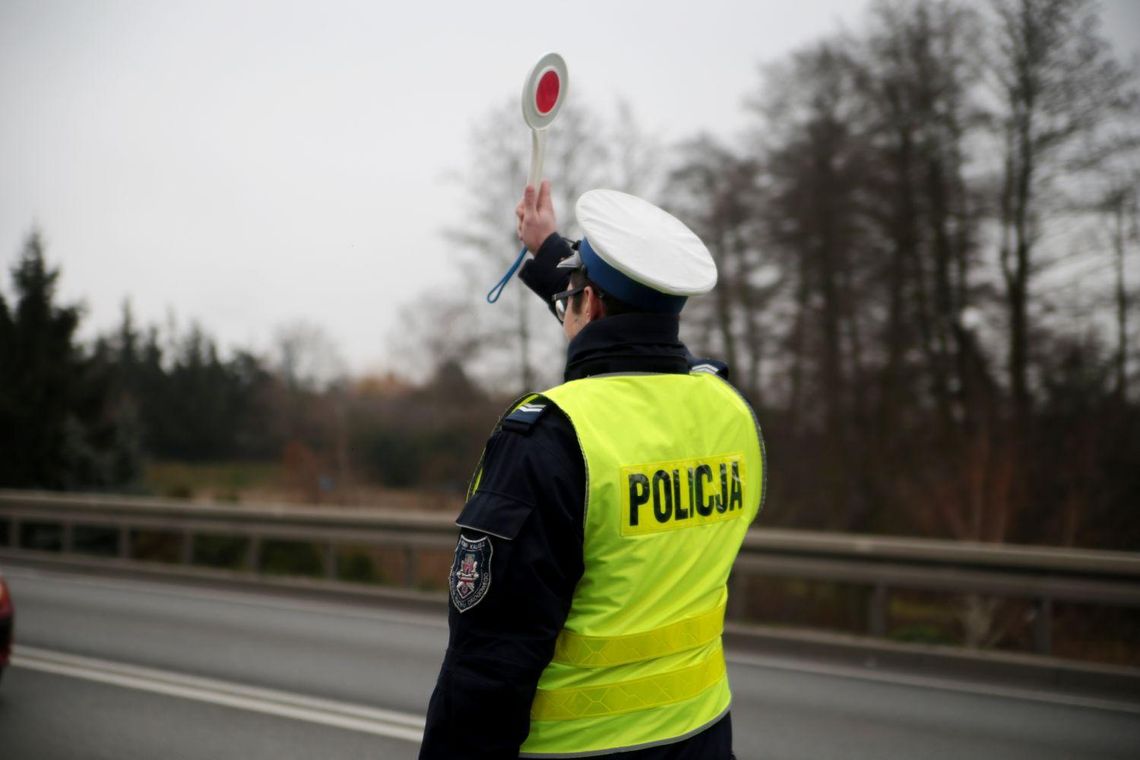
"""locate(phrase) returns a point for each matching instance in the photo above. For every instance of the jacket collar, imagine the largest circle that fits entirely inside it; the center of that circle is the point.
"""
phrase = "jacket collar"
(627, 343)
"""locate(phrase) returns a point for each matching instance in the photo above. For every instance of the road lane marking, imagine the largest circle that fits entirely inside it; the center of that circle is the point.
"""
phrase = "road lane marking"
(246, 598)
(939, 684)
(353, 717)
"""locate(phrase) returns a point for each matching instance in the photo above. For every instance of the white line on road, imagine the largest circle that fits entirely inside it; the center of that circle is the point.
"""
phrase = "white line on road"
(395, 725)
(941, 684)
(244, 598)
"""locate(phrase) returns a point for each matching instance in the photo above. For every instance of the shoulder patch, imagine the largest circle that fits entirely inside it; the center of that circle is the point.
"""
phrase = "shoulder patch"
(523, 417)
(470, 577)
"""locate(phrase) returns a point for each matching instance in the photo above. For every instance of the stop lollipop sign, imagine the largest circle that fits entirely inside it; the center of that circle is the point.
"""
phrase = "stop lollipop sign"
(542, 96)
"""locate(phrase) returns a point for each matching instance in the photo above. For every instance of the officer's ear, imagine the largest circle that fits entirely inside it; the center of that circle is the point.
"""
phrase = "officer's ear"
(592, 306)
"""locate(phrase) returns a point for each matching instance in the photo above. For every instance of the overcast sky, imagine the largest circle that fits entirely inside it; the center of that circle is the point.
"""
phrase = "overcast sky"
(248, 164)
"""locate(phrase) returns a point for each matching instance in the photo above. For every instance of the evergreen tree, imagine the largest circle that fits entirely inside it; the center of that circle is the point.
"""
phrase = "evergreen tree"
(58, 424)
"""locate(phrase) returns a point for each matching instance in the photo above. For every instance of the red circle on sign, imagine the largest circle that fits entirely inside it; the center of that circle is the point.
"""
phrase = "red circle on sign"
(546, 96)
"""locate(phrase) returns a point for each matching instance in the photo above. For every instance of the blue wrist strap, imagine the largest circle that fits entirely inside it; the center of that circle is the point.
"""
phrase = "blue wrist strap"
(495, 292)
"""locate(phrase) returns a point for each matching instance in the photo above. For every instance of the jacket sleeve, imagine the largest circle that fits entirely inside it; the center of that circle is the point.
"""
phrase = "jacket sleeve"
(528, 507)
(542, 275)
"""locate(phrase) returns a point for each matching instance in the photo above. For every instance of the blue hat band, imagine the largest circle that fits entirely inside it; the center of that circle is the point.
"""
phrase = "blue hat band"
(621, 286)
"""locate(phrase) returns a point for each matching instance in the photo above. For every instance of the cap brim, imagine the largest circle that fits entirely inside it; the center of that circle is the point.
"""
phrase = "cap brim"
(573, 261)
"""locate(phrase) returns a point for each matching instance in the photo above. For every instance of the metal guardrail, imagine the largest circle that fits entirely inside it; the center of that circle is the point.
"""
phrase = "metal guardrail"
(1042, 575)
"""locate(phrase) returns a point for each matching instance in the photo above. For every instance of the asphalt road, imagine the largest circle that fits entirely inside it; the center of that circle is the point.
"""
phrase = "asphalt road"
(108, 668)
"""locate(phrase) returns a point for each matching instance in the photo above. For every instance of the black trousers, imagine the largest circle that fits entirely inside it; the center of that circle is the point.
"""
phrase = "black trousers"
(714, 743)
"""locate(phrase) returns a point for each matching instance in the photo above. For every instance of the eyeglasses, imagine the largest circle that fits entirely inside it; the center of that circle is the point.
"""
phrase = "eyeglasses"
(561, 299)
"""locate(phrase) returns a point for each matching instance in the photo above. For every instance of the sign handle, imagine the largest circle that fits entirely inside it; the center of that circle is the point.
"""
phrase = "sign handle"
(537, 154)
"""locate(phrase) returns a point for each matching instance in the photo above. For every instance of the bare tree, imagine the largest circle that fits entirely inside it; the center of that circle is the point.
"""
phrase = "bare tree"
(918, 68)
(1057, 84)
(306, 357)
(636, 166)
(1123, 208)
(717, 192)
(439, 330)
(815, 178)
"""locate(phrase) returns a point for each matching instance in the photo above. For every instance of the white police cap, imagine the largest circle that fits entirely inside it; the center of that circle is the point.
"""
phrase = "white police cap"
(639, 253)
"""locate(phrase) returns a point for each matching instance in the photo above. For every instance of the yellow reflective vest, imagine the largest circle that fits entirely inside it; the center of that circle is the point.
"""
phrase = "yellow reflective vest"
(675, 474)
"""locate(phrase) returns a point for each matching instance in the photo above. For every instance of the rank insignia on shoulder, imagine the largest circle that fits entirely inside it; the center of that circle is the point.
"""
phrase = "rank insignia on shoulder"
(522, 417)
(470, 578)
(709, 366)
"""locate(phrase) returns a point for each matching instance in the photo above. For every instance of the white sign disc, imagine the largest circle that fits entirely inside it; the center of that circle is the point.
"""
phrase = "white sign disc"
(544, 91)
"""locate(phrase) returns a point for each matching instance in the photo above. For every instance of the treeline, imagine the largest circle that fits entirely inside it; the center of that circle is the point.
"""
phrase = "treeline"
(89, 417)
(926, 248)
(898, 250)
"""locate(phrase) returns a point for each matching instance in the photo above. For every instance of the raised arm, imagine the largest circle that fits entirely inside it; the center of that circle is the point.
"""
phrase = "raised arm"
(537, 229)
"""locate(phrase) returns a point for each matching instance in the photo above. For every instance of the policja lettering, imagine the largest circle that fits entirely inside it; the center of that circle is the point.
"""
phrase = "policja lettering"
(662, 496)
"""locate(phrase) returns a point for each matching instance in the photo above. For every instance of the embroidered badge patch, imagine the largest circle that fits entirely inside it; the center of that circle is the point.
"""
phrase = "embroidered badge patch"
(470, 572)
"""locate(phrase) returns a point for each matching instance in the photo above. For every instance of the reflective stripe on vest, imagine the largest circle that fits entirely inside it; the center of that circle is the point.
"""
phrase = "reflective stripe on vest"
(597, 651)
(629, 696)
(674, 474)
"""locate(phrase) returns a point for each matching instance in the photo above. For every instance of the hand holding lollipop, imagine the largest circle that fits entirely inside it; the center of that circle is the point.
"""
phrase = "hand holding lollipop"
(542, 97)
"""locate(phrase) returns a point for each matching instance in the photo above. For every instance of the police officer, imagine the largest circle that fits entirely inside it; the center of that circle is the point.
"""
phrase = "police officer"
(589, 584)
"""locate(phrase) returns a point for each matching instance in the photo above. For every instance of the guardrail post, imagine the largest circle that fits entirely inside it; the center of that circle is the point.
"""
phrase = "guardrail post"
(409, 567)
(14, 533)
(66, 538)
(877, 610)
(330, 561)
(1043, 625)
(738, 587)
(187, 548)
(124, 542)
(253, 555)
